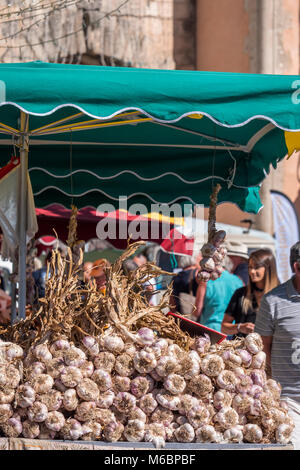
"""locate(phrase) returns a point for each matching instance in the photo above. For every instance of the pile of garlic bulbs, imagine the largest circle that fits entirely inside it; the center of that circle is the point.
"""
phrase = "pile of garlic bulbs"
(213, 258)
(151, 390)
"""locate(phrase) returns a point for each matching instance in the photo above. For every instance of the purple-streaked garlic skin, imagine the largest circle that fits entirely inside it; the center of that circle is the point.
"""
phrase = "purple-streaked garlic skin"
(87, 369)
(144, 362)
(106, 399)
(139, 386)
(185, 433)
(71, 376)
(114, 344)
(70, 399)
(148, 403)
(103, 379)
(253, 343)
(42, 383)
(124, 402)
(14, 352)
(105, 360)
(134, 431)
(175, 384)
(259, 360)
(38, 412)
(146, 336)
(91, 345)
(113, 431)
(252, 433)
(245, 356)
(88, 390)
(74, 357)
(198, 416)
(42, 353)
(168, 400)
(121, 384)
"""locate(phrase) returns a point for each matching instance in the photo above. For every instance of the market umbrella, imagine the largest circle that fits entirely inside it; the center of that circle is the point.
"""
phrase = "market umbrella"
(155, 136)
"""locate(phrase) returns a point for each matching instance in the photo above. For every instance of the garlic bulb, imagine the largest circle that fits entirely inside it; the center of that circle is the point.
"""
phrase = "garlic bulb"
(212, 365)
(105, 360)
(175, 384)
(167, 365)
(208, 250)
(175, 351)
(36, 368)
(242, 403)
(168, 400)
(185, 433)
(13, 352)
(74, 357)
(253, 343)
(227, 418)
(12, 427)
(162, 415)
(113, 431)
(207, 264)
(231, 359)
(130, 349)
(87, 369)
(200, 385)
(222, 398)
(187, 402)
(144, 362)
(227, 380)
(103, 416)
(42, 353)
(88, 390)
(252, 433)
(198, 416)
(203, 276)
(85, 411)
(155, 433)
(190, 365)
(137, 413)
(58, 346)
(72, 430)
(7, 395)
(244, 385)
(55, 421)
(9, 376)
(160, 348)
(140, 386)
(258, 377)
(284, 434)
(245, 356)
(25, 396)
(106, 399)
(170, 429)
(124, 402)
(71, 376)
(124, 365)
(134, 431)
(60, 386)
(148, 403)
(146, 336)
(42, 383)
(121, 384)
(259, 360)
(114, 344)
(30, 430)
(234, 434)
(45, 433)
(207, 433)
(91, 345)
(55, 367)
(102, 379)
(53, 400)
(38, 412)
(255, 391)
(70, 400)
(274, 387)
(91, 431)
(6, 412)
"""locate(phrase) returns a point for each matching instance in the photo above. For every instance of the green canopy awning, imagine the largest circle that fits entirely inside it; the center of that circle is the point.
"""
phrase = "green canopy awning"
(97, 133)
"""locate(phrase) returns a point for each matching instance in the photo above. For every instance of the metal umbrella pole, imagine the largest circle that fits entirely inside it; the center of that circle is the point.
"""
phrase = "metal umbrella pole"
(23, 189)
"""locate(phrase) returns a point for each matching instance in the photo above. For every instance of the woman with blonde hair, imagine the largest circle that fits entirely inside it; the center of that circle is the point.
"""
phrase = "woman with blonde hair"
(240, 315)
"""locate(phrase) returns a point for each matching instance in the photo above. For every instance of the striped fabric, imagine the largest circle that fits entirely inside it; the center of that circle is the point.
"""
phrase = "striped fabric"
(279, 316)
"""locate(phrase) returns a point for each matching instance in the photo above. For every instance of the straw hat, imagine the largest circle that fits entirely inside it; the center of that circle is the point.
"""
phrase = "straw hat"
(236, 249)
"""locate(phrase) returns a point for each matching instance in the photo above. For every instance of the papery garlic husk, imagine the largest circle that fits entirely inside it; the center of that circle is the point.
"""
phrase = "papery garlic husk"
(45, 433)
(55, 421)
(245, 384)
(168, 400)
(212, 365)
(200, 385)
(162, 415)
(25, 396)
(121, 384)
(30, 430)
(38, 412)
(134, 431)
(253, 343)
(155, 433)
(140, 386)
(137, 413)
(259, 360)
(42, 353)
(72, 430)
(175, 384)
(55, 367)
(124, 402)
(146, 336)
(91, 431)
(231, 359)
(85, 411)
(208, 250)
(7, 395)
(58, 347)
(190, 365)
(13, 352)
(198, 416)
(207, 264)
(70, 399)
(88, 390)
(245, 356)
(148, 403)
(113, 431)
(167, 365)
(170, 429)
(103, 379)
(103, 416)
(71, 376)
(258, 377)
(222, 398)
(130, 349)
(185, 433)
(227, 380)
(203, 276)
(106, 399)
(227, 418)
(42, 383)
(6, 412)
(252, 433)
(234, 434)
(12, 427)
(284, 433)
(124, 365)
(271, 418)
(144, 362)
(207, 433)
(175, 351)
(74, 357)
(9, 376)
(202, 344)
(114, 344)
(91, 345)
(87, 369)
(187, 402)
(53, 400)
(36, 368)
(242, 404)
(160, 348)
(273, 387)
(105, 360)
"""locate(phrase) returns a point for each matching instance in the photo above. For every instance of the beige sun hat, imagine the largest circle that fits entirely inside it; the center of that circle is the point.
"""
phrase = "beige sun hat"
(236, 249)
